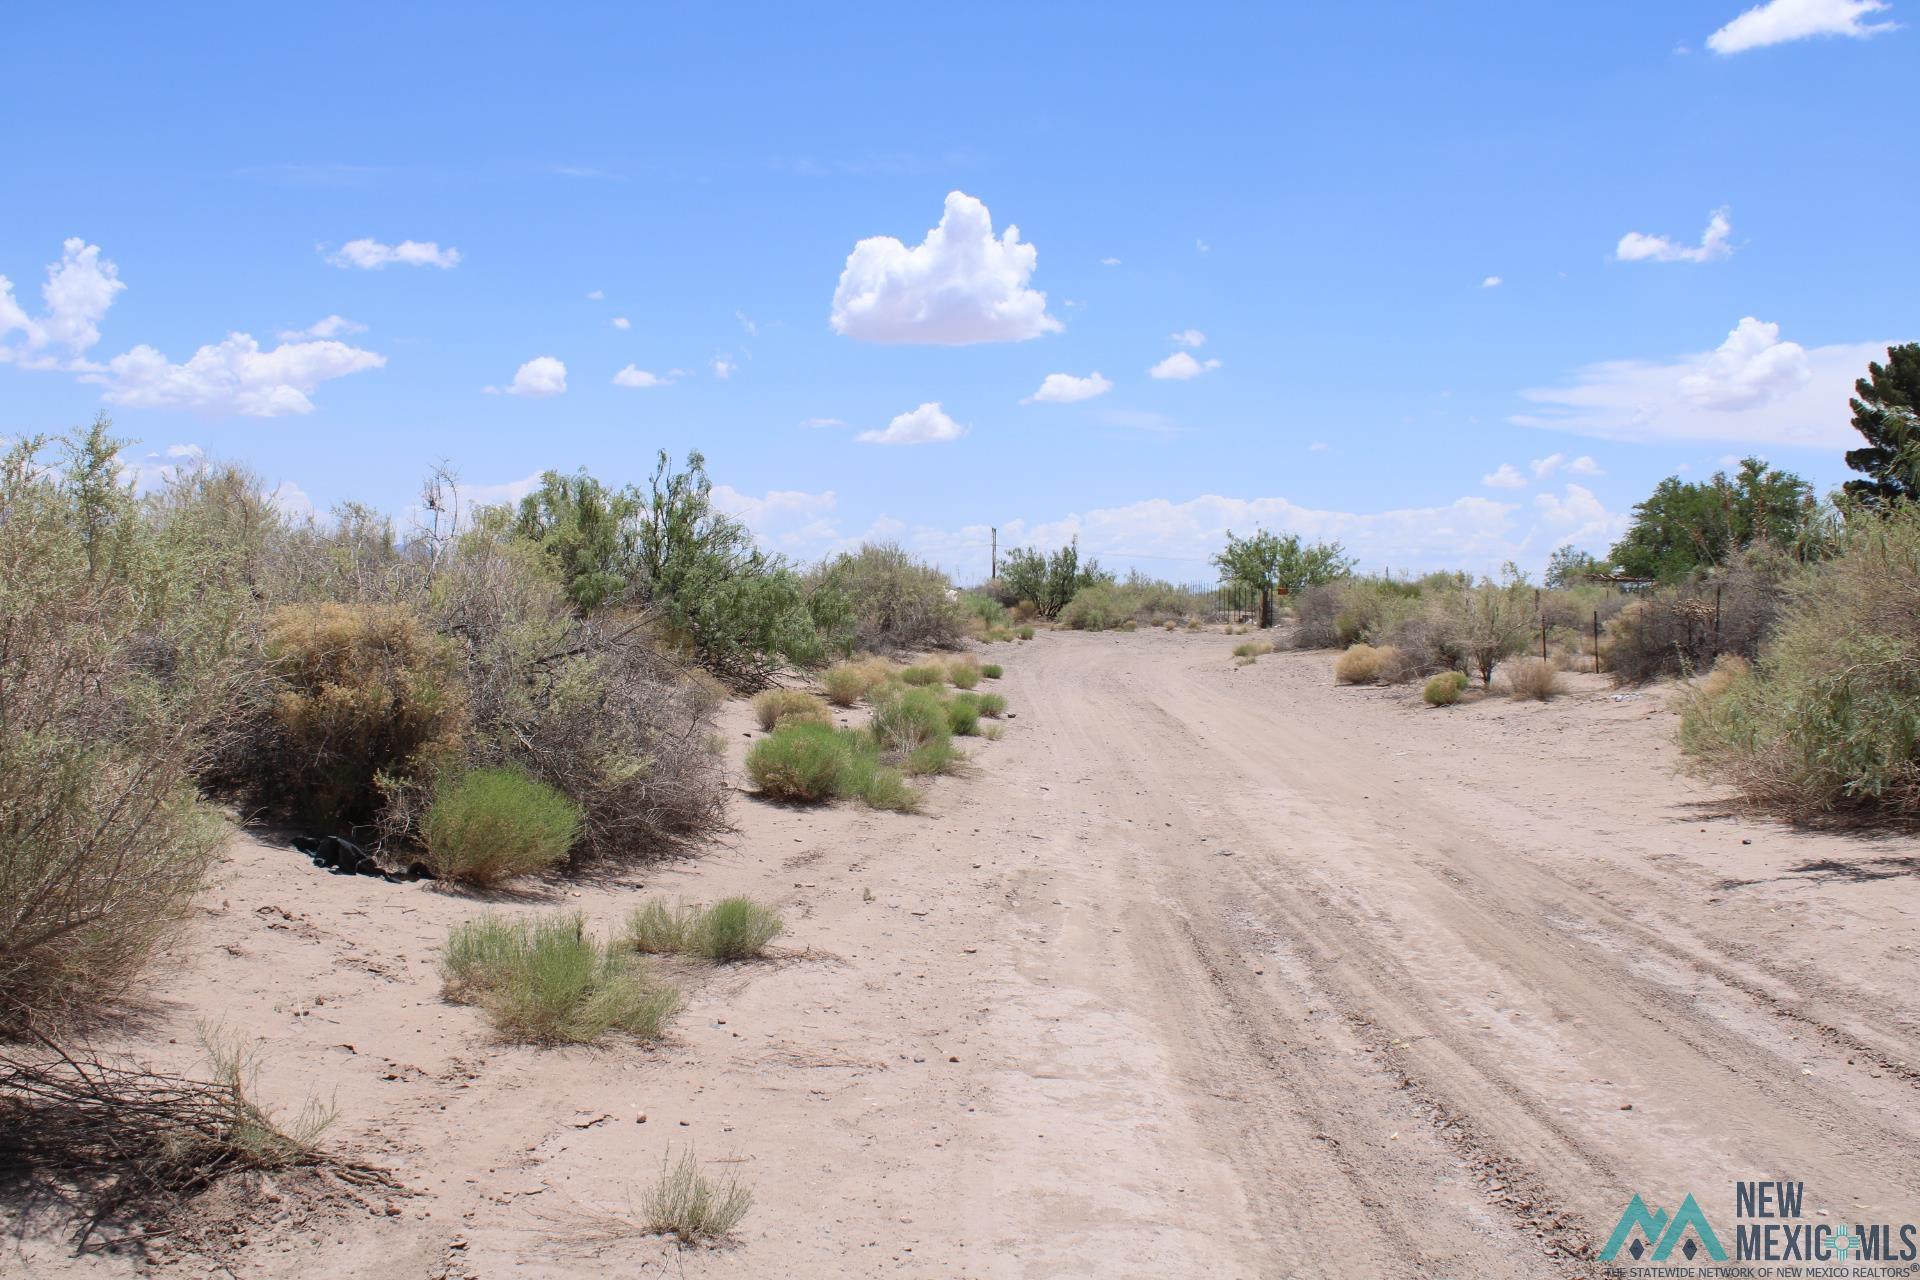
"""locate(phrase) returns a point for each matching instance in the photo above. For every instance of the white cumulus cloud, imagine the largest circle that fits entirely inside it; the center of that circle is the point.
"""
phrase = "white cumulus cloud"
(1779, 21)
(330, 327)
(1584, 466)
(1180, 366)
(1065, 388)
(1491, 282)
(78, 290)
(1754, 389)
(1190, 338)
(539, 377)
(371, 255)
(634, 376)
(928, 424)
(621, 322)
(1714, 244)
(960, 285)
(1505, 476)
(234, 376)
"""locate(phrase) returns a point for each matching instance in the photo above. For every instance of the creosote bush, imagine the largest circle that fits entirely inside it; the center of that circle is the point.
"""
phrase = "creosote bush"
(774, 707)
(1444, 689)
(690, 1206)
(1532, 679)
(489, 825)
(548, 981)
(1826, 725)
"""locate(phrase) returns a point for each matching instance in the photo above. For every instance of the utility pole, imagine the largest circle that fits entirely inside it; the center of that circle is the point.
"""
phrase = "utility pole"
(993, 563)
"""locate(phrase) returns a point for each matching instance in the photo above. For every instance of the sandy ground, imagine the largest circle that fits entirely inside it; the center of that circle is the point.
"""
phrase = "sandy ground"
(1201, 971)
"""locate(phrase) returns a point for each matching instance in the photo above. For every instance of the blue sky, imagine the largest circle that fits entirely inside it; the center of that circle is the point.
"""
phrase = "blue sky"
(1422, 244)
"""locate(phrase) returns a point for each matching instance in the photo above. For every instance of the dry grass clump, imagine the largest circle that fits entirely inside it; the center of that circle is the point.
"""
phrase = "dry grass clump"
(922, 676)
(730, 930)
(845, 684)
(690, 1206)
(489, 825)
(1024, 632)
(963, 674)
(1532, 679)
(1252, 648)
(1361, 664)
(548, 981)
(1444, 689)
(992, 671)
(992, 705)
(776, 706)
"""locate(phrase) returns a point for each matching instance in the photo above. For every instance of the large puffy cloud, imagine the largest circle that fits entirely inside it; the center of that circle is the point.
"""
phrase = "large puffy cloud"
(1752, 389)
(371, 255)
(78, 290)
(790, 520)
(960, 285)
(1065, 388)
(235, 376)
(1779, 21)
(929, 424)
(1715, 242)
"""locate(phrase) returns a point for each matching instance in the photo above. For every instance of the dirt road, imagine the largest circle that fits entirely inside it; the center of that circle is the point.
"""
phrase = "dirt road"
(1203, 971)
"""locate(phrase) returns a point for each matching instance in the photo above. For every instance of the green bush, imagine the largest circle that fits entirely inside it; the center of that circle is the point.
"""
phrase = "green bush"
(798, 761)
(992, 705)
(734, 929)
(909, 719)
(548, 981)
(963, 715)
(845, 684)
(1025, 632)
(922, 676)
(1827, 724)
(992, 671)
(866, 778)
(1444, 690)
(489, 825)
(658, 930)
(892, 601)
(936, 756)
(963, 675)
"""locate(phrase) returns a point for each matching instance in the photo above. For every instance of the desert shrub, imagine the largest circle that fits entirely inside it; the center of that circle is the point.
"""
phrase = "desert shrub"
(1316, 613)
(963, 716)
(992, 705)
(1252, 648)
(1679, 629)
(1444, 690)
(937, 755)
(909, 720)
(866, 778)
(1025, 633)
(657, 929)
(845, 684)
(734, 929)
(988, 614)
(1728, 669)
(1827, 724)
(1532, 679)
(798, 761)
(1490, 623)
(109, 706)
(774, 707)
(693, 1208)
(548, 981)
(488, 825)
(1360, 664)
(963, 675)
(893, 601)
(360, 693)
(922, 675)
(992, 671)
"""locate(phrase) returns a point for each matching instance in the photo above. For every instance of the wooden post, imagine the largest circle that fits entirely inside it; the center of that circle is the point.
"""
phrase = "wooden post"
(1596, 642)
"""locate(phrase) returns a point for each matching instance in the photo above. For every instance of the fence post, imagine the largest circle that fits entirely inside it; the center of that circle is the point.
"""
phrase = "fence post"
(1596, 642)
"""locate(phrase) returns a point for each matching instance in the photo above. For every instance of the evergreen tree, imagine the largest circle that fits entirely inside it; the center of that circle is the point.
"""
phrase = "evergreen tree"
(1886, 410)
